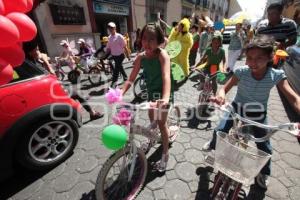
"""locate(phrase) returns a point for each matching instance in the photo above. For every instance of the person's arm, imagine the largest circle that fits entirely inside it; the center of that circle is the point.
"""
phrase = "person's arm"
(224, 67)
(292, 97)
(220, 97)
(44, 60)
(133, 74)
(164, 60)
(165, 23)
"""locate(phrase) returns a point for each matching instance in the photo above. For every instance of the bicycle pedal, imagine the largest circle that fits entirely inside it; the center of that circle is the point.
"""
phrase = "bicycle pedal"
(209, 159)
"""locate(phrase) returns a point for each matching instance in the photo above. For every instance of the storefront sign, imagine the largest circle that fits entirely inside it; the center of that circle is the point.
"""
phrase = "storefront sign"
(110, 9)
(120, 2)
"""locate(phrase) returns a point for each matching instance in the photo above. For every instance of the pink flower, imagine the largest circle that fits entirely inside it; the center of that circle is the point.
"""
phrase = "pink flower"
(122, 118)
(113, 95)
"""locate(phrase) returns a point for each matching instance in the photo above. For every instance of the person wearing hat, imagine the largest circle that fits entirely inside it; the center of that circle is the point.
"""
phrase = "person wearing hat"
(102, 49)
(66, 57)
(116, 47)
(283, 30)
(237, 39)
(84, 52)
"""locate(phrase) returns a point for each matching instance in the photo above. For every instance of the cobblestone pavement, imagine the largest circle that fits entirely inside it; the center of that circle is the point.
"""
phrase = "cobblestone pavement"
(187, 176)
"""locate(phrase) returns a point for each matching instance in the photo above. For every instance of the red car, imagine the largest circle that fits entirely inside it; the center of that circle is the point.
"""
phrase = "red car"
(38, 121)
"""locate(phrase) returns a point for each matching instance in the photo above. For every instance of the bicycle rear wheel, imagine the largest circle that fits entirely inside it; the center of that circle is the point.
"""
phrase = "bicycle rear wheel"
(139, 87)
(95, 76)
(74, 76)
(112, 181)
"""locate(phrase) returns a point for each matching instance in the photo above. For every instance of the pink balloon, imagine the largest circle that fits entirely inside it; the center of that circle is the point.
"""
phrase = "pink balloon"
(2, 9)
(9, 33)
(25, 25)
(13, 55)
(15, 6)
(6, 72)
(29, 5)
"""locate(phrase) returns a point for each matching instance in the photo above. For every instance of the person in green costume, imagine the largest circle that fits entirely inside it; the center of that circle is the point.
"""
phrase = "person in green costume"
(157, 70)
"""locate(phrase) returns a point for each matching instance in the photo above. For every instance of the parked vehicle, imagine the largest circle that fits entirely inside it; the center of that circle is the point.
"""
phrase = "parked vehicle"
(39, 121)
(226, 33)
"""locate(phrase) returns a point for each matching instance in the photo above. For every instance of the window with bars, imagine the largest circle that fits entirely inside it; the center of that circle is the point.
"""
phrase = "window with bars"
(155, 6)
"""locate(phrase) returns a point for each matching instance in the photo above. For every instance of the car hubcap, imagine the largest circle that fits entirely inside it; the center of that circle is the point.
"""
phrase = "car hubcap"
(50, 141)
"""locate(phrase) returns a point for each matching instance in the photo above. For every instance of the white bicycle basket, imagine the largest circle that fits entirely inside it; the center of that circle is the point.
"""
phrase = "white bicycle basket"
(237, 160)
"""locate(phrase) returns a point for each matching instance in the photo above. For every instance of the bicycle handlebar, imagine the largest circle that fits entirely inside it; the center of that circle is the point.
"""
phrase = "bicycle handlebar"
(206, 75)
(291, 128)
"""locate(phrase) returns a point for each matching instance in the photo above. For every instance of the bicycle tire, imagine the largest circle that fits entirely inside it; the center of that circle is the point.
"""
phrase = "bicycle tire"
(74, 76)
(60, 76)
(94, 76)
(202, 103)
(101, 179)
(139, 87)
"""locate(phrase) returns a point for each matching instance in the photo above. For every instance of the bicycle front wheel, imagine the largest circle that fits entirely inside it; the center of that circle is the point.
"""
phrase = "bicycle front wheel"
(202, 103)
(95, 76)
(112, 181)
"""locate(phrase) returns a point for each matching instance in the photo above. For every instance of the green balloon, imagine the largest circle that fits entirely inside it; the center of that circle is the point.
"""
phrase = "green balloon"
(114, 137)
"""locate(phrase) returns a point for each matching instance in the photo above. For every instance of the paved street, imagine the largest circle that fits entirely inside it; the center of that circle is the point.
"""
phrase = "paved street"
(187, 176)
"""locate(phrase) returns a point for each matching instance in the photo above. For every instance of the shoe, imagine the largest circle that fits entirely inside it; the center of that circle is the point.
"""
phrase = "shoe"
(161, 165)
(113, 85)
(206, 147)
(97, 115)
(262, 180)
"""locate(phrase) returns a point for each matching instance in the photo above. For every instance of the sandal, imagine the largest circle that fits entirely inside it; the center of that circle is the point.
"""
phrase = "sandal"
(173, 134)
(161, 165)
(97, 115)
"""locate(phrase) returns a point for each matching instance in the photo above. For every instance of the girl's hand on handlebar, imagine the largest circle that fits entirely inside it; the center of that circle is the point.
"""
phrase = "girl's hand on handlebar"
(218, 100)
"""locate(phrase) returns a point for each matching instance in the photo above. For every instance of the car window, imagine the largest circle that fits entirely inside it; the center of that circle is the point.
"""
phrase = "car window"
(26, 71)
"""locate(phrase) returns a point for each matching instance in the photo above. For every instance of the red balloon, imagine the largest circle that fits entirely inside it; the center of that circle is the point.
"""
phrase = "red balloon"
(6, 72)
(15, 6)
(9, 33)
(13, 55)
(2, 9)
(29, 5)
(24, 24)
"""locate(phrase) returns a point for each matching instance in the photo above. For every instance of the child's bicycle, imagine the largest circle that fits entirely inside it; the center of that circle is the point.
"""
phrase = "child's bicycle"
(237, 162)
(59, 71)
(206, 91)
(100, 65)
(123, 174)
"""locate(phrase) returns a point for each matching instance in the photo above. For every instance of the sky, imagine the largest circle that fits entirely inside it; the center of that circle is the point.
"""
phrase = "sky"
(254, 7)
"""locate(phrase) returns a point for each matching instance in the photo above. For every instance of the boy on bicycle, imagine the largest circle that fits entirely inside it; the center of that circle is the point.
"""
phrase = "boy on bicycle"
(211, 60)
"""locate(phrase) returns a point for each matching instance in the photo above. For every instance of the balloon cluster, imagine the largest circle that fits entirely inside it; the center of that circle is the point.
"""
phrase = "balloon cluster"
(15, 28)
(123, 117)
(113, 96)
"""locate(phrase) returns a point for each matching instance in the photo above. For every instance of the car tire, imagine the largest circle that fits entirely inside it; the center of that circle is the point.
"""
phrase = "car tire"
(38, 141)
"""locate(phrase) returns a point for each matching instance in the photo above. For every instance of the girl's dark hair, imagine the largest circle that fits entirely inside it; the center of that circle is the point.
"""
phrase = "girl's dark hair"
(264, 42)
(277, 6)
(154, 28)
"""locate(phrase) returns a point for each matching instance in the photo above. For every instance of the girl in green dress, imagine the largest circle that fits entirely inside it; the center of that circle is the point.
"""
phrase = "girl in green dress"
(156, 65)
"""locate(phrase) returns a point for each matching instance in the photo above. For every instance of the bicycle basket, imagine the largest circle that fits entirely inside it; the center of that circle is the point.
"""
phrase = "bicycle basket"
(237, 160)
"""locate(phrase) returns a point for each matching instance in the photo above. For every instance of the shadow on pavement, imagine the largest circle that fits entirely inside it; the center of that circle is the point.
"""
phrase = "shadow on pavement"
(99, 92)
(88, 196)
(203, 190)
(21, 179)
(256, 193)
(194, 120)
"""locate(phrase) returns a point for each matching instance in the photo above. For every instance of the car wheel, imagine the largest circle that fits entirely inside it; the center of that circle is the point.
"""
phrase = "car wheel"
(47, 144)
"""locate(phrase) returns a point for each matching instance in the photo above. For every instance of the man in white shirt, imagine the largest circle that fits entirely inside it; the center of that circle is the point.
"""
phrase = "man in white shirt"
(116, 46)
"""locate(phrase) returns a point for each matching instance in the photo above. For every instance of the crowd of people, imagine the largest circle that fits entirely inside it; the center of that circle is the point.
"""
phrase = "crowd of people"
(254, 80)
